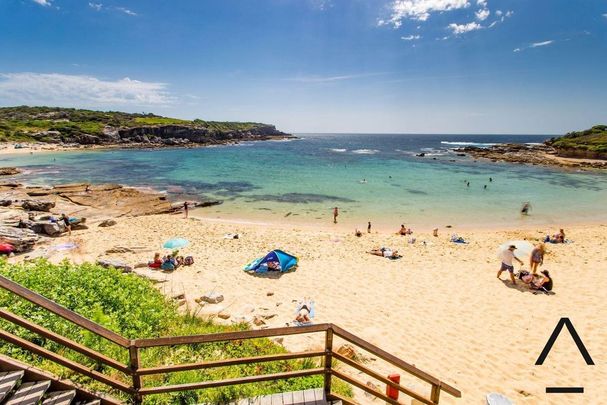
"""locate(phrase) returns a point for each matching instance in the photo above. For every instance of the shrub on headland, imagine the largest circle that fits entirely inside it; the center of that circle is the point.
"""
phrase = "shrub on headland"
(131, 306)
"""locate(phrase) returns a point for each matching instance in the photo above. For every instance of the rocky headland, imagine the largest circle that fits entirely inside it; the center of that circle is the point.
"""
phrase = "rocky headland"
(582, 150)
(76, 127)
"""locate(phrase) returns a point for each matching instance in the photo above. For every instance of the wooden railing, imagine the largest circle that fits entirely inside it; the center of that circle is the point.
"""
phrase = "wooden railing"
(133, 371)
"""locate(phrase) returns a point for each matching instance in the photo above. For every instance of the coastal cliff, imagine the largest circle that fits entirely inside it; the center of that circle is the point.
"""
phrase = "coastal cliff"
(86, 127)
(588, 144)
(583, 149)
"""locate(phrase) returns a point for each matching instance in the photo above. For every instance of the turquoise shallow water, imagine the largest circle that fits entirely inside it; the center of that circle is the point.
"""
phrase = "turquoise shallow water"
(300, 181)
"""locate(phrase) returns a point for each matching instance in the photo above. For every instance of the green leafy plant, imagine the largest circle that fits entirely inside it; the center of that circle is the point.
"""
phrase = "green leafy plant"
(133, 308)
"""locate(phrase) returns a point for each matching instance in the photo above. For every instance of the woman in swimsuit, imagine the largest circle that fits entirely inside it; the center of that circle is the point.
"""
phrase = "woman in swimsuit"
(544, 282)
(537, 257)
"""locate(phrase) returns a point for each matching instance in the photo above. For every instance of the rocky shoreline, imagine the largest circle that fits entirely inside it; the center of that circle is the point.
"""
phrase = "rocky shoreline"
(544, 155)
(31, 213)
(160, 136)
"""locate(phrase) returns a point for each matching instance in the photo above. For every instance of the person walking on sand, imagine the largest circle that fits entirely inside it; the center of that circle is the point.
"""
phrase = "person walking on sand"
(186, 205)
(369, 227)
(507, 257)
(537, 257)
(335, 214)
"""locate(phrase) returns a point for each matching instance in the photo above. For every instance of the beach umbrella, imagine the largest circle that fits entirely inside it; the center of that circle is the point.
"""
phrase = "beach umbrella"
(523, 248)
(175, 243)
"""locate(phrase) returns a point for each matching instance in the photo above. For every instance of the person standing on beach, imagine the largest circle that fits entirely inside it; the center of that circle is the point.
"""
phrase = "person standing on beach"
(507, 257)
(67, 223)
(335, 214)
(537, 257)
(369, 227)
(185, 208)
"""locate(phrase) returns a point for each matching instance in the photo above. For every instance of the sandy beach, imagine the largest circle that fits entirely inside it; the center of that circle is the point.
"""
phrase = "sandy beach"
(440, 307)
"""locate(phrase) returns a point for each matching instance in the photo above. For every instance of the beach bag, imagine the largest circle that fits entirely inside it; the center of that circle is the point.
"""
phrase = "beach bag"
(167, 265)
(188, 261)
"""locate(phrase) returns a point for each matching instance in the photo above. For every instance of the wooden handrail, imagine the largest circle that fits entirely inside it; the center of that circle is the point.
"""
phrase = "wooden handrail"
(228, 336)
(228, 362)
(364, 387)
(62, 312)
(411, 369)
(135, 372)
(381, 378)
(72, 365)
(9, 316)
(232, 381)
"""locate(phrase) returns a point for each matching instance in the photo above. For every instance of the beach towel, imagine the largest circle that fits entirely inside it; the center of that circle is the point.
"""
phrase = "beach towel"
(64, 246)
(458, 239)
(498, 399)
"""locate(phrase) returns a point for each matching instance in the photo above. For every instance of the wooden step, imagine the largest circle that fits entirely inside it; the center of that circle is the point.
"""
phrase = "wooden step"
(29, 393)
(60, 398)
(8, 380)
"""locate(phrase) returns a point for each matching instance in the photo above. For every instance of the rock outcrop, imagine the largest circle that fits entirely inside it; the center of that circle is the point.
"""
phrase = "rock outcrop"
(528, 154)
(37, 205)
(9, 171)
(23, 240)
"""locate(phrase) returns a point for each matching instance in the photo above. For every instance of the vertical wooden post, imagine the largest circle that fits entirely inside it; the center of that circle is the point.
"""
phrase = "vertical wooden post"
(328, 360)
(134, 365)
(435, 394)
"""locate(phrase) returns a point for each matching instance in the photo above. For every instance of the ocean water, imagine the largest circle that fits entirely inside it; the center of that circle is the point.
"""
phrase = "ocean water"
(370, 177)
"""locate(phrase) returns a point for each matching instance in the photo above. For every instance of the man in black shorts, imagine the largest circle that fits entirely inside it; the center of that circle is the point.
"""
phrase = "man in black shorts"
(507, 257)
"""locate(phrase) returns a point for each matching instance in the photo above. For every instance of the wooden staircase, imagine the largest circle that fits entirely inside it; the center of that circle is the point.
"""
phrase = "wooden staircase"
(22, 384)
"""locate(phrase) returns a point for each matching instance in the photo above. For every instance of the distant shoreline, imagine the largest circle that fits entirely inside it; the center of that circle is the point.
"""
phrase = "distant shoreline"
(9, 148)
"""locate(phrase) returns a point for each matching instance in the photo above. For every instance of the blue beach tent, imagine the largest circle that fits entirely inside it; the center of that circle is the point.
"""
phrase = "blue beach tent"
(285, 260)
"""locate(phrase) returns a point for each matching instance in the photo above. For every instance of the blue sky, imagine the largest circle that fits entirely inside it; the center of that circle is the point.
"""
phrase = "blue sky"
(411, 66)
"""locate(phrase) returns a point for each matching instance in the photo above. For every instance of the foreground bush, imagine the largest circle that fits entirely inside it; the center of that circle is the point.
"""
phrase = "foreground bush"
(133, 308)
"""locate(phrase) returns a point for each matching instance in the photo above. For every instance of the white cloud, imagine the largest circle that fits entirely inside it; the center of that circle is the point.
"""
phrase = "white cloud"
(543, 43)
(463, 28)
(326, 79)
(509, 13)
(62, 89)
(411, 37)
(482, 3)
(96, 6)
(482, 14)
(605, 15)
(45, 3)
(498, 13)
(493, 24)
(420, 9)
(535, 45)
(126, 11)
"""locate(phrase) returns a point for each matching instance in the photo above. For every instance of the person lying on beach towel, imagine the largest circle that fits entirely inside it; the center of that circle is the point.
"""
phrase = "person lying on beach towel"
(386, 252)
(304, 313)
(536, 282)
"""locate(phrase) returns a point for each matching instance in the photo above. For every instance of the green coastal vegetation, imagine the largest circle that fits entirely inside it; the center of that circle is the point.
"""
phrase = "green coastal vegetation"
(19, 124)
(591, 140)
(131, 306)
